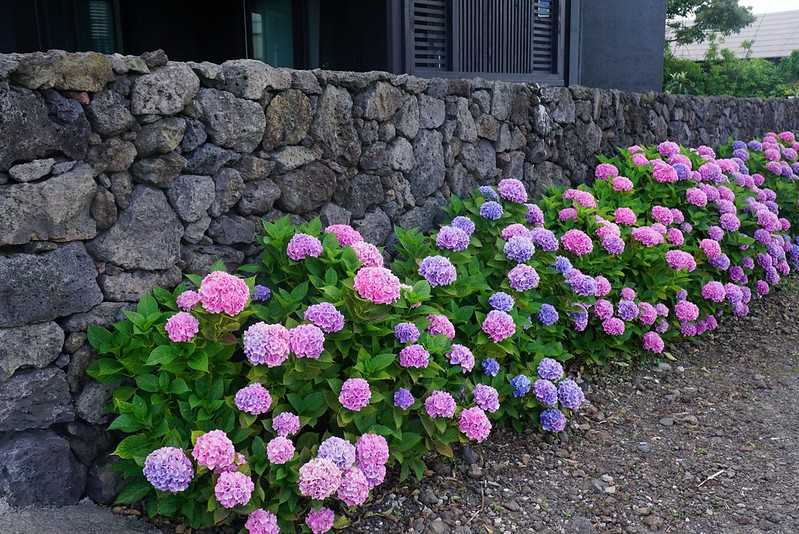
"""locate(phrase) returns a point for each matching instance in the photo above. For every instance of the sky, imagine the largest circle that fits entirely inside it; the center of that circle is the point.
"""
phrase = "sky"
(770, 6)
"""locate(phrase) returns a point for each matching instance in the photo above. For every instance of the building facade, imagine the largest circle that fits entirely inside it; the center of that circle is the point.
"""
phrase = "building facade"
(554, 42)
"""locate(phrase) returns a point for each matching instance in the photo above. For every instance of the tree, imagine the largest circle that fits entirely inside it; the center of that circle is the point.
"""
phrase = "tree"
(695, 20)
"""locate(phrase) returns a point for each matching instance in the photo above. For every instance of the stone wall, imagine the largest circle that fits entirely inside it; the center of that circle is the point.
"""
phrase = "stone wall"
(118, 174)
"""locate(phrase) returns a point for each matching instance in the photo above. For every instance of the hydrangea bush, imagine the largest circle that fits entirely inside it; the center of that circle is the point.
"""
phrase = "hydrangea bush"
(280, 399)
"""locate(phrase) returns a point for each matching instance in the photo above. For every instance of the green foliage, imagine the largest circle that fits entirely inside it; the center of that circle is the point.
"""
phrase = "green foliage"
(722, 73)
(695, 20)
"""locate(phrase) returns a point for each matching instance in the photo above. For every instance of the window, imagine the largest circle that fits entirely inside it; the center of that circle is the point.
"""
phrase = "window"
(101, 26)
(271, 29)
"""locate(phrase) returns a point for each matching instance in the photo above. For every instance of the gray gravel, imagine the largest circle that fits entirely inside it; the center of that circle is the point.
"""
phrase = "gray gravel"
(83, 518)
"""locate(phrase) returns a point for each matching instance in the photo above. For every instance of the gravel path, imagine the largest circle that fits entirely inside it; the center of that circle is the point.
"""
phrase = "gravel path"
(708, 443)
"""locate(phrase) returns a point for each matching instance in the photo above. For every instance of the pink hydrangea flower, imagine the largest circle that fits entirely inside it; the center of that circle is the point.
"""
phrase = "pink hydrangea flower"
(664, 173)
(498, 325)
(604, 171)
(325, 316)
(320, 520)
(307, 341)
(267, 344)
(622, 184)
(253, 399)
(221, 292)
(285, 424)
(319, 478)
(647, 236)
(414, 356)
(345, 234)
(602, 286)
(187, 300)
(182, 327)
(474, 424)
(233, 489)
(613, 326)
(377, 285)
(302, 246)
(662, 215)
(714, 291)
(461, 355)
(355, 394)
(625, 216)
(354, 488)
(653, 342)
(686, 311)
(368, 254)
(567, 214)
(279, 450)
(440, 404)
(675, 237)
(711, 248)
(262, 522)
(577, 242)
(514, 230)
(213, 450)
(440, 325)
(680, 260)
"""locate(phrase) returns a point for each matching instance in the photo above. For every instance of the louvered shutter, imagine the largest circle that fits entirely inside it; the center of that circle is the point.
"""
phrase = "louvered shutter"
(101, 26)
(429, 34)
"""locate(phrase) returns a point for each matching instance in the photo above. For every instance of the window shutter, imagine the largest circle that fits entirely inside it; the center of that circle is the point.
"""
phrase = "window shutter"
(101, 26)
(544, 36)
(430, 34)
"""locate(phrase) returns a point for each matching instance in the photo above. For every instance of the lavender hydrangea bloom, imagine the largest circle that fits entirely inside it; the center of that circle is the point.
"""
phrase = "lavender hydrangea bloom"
(552, 420)
(339, 451)
(464, 223)
(562, 264)
(488, 192)
(403, 398)
(519, 249)
(579, 319)
(490, 367)
(501, 301)
(581, 284)
(544, 239)
(406, 332)
(627, 310)
(452, 238)
(550, 369)
(168, 469)
(546, 392)
(521, 385)
(261, 293)
(548, 315)
(570, 394)
(491, 210)
(438, 271)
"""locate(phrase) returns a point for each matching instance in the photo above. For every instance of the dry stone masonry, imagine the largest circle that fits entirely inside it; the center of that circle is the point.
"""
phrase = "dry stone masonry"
(120, 173)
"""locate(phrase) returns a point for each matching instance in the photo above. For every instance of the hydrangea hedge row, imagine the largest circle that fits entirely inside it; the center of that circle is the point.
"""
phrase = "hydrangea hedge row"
(282, 397)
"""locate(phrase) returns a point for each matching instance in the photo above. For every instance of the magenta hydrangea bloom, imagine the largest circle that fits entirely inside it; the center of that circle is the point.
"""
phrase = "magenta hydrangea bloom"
(168, 469)
(267, 344)
(603, 171)
(653, 342)
(187, 300)
(262, 522)
(368, 254)
(440, 325)
(233, 489)
(577, 242)
(613, 326)
(325, 316)
(440, 404)
(285, 424)
(182, 327)
(461, 355)
(474, 424)
(567, 214)
(253, 399)
(355, 394)
(662, 215)
(602, 286)
(214, 450)
(523, 278)
(647, 313)
(621, 184)
(696, 197)
(667, 148)
(371, 450)
(354, 488)
(603, 309)
(279, 450)
(647, 236)
(664, 173)
(711, 248)
(513, 230)
(680, 260)
(339, 451)
(714, 291)
(414, 356)
(452, 238)
(377, 285)
(438, 271)
(319, 478)
(675, 237)
(512, 190)
(627, 293)
(320, 520)
(486, 397)
(302, 246)
(345, 234)
(686, 311)
(307, 341)
(221, 292)
(498, 325)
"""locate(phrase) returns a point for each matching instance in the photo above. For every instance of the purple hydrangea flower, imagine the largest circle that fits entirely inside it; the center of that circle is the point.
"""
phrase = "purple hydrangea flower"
(544, 239)
(488, 192)
(552, 420)
(550, 369)
(325, 316)
(261, 293)
(546, 392)
(491, 210)
(406, 332)
(452, 238)
(403, 398)
(519, 249)
(521, 385)
(562, 264)
(339, 451)
(168, 469)
(627, 310)
(486, 397)
(570, 394)
(548, 315)
(464, 223)
(438, 271)
(501, 301)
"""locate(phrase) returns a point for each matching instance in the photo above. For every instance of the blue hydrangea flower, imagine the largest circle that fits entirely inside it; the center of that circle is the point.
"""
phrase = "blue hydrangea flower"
(550, 369)
(562, 264)
(521, 385)
(491, 210)
(406, 332)
(403, 398)
(552, 420)
(490, 367)
(488, 192)
(548, 315)
(261, 293)
(519, 249)
(682, 170)
(501, 301)
(464, 223)
(738, 144)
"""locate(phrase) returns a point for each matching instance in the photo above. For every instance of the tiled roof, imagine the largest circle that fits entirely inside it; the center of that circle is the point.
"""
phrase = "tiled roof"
(773, 35)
